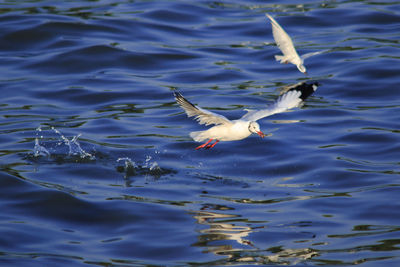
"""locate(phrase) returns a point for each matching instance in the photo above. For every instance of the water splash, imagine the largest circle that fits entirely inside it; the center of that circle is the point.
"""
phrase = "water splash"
(48, 148)
(128, 162)
(129, 168)
(148, 164)
(39, 150)
(147, 168)
(75, 148)
(60, 148)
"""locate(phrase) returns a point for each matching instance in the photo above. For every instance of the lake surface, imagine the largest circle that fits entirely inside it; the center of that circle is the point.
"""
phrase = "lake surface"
(97, 167)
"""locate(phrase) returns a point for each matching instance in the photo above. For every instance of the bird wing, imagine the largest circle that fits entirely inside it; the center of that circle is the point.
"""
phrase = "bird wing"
(201, 115)
(291, 99)
(282, 39)
(312, 54)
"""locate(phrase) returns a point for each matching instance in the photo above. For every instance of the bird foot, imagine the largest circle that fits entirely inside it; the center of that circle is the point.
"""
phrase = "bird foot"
(204, 145)
(212, 145)
(207, 144)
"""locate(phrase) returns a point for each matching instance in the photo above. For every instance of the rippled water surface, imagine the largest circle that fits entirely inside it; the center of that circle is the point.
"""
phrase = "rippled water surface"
(97, 166)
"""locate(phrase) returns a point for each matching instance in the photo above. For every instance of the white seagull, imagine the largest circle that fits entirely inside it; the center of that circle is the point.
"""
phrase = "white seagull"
(285, 44)
(227, 130)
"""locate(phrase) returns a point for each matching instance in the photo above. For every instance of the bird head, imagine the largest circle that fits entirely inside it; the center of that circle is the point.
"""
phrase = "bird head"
(254, 127)
(302, 68)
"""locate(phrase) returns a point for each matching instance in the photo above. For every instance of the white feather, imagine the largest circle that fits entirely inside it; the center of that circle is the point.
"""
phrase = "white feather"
(226, 130)
(285, 44)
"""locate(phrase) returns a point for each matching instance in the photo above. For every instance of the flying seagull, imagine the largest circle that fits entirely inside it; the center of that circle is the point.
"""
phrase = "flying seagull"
(285, 44)
(231, 130)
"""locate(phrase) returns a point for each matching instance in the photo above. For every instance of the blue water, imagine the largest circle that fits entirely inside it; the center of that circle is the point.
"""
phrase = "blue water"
(97, 167)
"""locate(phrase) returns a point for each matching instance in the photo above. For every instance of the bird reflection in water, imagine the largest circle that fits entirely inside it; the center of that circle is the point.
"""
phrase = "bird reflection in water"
(220, 228)
(224, 228)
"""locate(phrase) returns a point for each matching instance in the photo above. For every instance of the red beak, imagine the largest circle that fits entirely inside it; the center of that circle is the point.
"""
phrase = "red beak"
(261, 134)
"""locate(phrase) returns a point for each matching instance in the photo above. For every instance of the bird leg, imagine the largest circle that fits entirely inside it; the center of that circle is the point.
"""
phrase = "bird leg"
(203, 145)
(211, 146)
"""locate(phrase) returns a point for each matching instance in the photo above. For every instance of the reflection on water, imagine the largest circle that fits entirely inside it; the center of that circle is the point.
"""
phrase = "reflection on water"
(219, 229)
(223, 228)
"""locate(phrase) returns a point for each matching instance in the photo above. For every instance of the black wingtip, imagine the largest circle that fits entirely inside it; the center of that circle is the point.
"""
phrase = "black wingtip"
(306, 89)
(181, 100)
(177, 95)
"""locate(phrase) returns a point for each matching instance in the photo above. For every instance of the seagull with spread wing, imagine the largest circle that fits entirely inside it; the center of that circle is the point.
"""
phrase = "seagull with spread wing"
(231, 130)
(285, 44)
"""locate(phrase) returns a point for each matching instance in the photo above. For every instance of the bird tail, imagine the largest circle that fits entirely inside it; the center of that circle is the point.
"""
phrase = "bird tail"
(198, 136)
(280, 58)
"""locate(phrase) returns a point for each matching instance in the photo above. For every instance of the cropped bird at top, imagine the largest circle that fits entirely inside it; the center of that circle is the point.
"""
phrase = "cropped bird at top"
(231, 130)
(285, 44)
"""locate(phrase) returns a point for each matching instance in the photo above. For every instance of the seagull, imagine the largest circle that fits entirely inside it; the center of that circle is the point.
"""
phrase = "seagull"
(232, 130)
(285, 44)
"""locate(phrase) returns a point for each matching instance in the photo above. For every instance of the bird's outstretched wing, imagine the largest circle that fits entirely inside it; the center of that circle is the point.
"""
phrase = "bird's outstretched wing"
(282, 39)
(303, 57)
(201, 115)
(291, 99)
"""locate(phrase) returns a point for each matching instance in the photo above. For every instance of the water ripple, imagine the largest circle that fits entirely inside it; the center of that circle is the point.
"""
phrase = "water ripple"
(121, 182)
